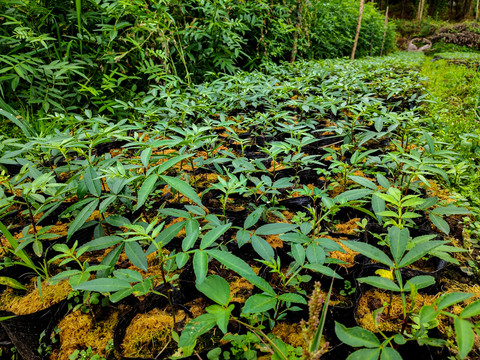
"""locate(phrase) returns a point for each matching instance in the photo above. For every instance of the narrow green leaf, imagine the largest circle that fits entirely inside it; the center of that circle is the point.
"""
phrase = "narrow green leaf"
(145, 190)
(364, 182)
(166, 236)
(398, 242)
(82, 217)
(274, 229)
(420, 282)
(145, 156)
(298, 253)
(104, 285)
(315, 254)
(195, 328)
(192, 231)
(418, 251)
(200, 265)
(213, 235)
(102, 243)
(136, 255)
(370, 251)
(441, 224)
(171, 162)
(382, 181)
(262, 248)
(12, 283)
(222, 315)
(91, 180)
(471, 310)
(447, 300)
(356, 336)
(183, 188)
(259, 303)
(253, 218)
(351, 195)
(380, 282)
(110, 260)
(241, 268)
(464, 336)
(293, 298)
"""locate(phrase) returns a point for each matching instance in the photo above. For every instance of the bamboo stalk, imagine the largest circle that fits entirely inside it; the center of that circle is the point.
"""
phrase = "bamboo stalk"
(357, 33)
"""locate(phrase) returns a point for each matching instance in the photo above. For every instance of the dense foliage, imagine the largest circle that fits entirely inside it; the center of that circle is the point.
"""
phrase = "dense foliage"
(255, 208)
(60, 56)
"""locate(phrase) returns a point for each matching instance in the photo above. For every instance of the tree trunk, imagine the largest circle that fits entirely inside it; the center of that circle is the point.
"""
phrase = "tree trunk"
(357, 33)
(384, 31)
(476, 13)
(293, 55)
(420, 10)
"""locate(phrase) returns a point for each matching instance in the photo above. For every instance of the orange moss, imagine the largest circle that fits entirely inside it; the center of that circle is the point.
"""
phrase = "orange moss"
(347, 256)
(240, 290)
(80, 331)
(290, 334)
(349, 227)
(150, 334)
(274, 241)
(33, 302)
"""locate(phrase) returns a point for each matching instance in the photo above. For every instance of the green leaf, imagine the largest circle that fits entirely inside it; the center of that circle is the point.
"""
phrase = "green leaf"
(420, 282)
(14, 244)
(183, 188)
(169, 163)
(315, 254)
(104, 285)
(20, 122)
(380, 282)
(253, 218)
(128, 275)
(451, 210)
(274, 229)
(91, 180)
(241, 268)
(145, 156)
(364, 182)
(136, 255)
(471, 310)
(82, 217)
(351, 195)
(181, 259)
(216, 288)
(222, 315)
(464, 336)
(356, 336)
(145, 190)
(110, 260)
(243, 237)
(12, 283)
(101, 243)
(441, 224)
(213, 235)
(378, 205)
(195, 328)
(293, 298)
(447, 300)
(262, 248)
(389, 353)
(412, 201)
(382, 181)
(166, 236)
(192, 231)
(259, 303)
(200, 265)
(117, 220)
(398, 242)
(370, 251)
(322, 269)
(418, 251)
(298, 253)
(295, 237)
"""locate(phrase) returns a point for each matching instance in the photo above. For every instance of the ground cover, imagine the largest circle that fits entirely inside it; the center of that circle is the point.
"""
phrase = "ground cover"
(306, 210)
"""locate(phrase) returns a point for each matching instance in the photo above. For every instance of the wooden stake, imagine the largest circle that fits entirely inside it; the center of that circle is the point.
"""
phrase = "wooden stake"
(357, 33)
